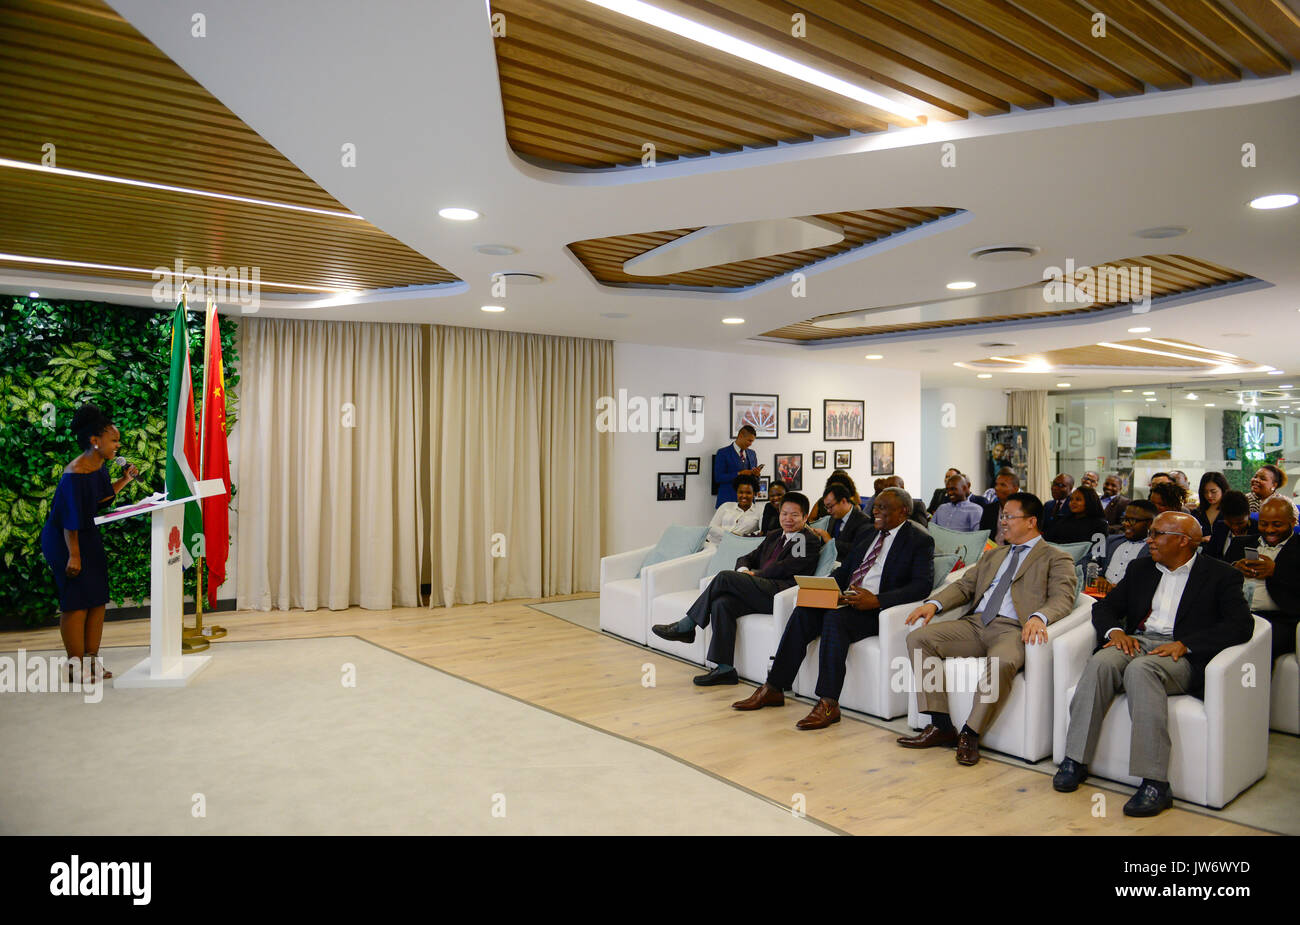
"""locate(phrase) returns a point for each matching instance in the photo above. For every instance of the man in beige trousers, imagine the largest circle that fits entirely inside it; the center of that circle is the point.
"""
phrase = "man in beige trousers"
(1014, 591)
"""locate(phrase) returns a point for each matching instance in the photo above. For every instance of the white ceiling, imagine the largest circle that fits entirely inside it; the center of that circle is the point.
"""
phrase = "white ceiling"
(414, 87)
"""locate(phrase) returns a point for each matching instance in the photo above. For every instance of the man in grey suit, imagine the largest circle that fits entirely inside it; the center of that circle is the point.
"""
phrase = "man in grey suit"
(1160, 626)
(1014, 591)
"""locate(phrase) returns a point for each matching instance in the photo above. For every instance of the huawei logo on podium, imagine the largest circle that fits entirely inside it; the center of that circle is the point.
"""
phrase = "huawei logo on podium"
(174, 542)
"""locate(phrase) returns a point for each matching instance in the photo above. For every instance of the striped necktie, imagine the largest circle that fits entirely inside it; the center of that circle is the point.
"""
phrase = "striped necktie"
(869, 561)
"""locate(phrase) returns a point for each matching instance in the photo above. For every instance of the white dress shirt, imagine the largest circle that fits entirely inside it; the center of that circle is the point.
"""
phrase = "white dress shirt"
(871, 581)
(730, 518)
(1164, 603)
(1120, 559)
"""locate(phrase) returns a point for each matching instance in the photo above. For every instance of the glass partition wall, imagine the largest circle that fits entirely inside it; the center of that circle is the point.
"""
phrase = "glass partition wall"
(1137, 431)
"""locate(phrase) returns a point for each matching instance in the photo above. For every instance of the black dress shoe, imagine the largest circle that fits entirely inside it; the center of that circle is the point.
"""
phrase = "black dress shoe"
(718, 677)
(670, 632)
(1150, 800)
(1069, 776)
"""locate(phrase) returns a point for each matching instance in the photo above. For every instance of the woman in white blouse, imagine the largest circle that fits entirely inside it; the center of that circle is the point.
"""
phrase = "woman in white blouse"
(741, 516)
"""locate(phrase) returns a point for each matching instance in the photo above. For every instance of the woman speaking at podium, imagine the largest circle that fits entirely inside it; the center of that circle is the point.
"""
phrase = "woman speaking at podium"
(70, 540)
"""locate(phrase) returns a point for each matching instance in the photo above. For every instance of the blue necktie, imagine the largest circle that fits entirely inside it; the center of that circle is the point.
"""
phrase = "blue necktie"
(1004, 585)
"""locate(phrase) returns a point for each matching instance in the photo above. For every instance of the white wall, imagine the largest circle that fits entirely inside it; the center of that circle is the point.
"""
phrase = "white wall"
(893, 412)
(960, 444)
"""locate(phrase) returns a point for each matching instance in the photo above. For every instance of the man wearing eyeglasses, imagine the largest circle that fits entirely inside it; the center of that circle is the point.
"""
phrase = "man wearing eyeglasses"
(1121, 550)
(1157, 630)
(1014, 591)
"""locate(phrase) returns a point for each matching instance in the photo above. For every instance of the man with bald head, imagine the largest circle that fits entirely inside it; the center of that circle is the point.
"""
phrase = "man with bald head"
(1156, 631)
(1274, 592)
(918, 513)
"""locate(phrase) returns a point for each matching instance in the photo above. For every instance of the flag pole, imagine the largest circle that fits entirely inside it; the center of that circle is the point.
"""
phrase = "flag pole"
(210, 329)
(192, 638)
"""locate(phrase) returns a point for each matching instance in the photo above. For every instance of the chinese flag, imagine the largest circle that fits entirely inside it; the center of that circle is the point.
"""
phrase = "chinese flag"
(216, 459)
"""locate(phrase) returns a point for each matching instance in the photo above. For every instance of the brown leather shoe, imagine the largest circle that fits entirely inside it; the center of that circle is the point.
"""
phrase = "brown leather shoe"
(825, 713)
(968, 749)
(765, 696)
(929, 737)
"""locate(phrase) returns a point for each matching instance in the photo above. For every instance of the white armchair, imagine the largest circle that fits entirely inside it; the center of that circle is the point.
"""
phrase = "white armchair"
(671, 588)
(1284, 716)
(1219, 743)
(1024, 724)
(758, 634)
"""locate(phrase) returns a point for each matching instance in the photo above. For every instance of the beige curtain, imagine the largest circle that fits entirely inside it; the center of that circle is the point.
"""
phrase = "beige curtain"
(329, 499)
(1029, 409)
(518, 473)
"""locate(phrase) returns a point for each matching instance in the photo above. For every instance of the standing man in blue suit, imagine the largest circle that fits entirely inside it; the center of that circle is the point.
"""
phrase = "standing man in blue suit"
(731, 461)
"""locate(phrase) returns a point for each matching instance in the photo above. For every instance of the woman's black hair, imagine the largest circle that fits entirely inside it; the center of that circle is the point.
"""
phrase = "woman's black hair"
(1091, 503)
(1212, 478)
(88, 421)
(749, 480)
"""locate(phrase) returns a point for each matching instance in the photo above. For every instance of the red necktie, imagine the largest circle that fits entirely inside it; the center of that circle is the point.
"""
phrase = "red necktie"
(869, 561)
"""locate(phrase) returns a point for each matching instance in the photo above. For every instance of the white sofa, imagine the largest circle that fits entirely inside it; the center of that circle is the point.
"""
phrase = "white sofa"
(870, 668)
(1284, 716)
(1023, 726)
(1219, 743)
(672, 587)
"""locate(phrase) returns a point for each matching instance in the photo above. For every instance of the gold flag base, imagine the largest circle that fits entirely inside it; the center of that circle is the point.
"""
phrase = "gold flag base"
(192, 642)
(212, 632)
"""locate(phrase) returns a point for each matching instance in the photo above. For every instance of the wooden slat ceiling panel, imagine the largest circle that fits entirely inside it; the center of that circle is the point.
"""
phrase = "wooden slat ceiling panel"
(604, 257)
(587, 87)
(1170, 274)
(1093, 355)
(78, 76)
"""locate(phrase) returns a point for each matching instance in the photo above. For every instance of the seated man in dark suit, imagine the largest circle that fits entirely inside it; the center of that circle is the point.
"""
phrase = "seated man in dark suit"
(1113, 503)
(759, 576)
(1275, 568)
(733, 460)
(1233, 521)
(1012, 593)
(1059, 506)
(919, 514)
(1157, 630)
(893, 564)
(1122, 549)
(1004, 485)
(772, 510)
(848, 524)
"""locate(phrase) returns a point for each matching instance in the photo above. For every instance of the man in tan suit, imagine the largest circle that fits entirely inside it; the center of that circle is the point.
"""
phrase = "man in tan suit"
(1014, 591)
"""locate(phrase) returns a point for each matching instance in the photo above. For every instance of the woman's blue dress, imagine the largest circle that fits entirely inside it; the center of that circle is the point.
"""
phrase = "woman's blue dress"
(76, 500)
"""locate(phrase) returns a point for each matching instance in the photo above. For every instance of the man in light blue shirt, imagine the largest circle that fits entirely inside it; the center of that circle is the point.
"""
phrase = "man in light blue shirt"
(958, 512)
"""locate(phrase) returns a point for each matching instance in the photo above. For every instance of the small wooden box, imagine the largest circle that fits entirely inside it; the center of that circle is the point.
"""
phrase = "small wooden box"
(818, 592)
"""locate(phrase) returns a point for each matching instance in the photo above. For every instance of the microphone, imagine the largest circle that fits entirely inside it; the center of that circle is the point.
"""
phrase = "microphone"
(121, 461)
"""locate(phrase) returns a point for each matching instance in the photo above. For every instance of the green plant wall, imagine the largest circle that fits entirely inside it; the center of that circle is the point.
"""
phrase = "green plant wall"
(55, 356)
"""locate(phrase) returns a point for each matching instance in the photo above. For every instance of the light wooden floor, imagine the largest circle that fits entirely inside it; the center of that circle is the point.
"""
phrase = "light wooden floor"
(852, 776)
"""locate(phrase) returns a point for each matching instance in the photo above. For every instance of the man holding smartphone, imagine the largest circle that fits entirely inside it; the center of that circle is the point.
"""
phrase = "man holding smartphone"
(1274, 566)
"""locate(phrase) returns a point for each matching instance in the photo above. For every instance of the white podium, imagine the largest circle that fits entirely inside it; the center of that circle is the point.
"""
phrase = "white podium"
(165, 666)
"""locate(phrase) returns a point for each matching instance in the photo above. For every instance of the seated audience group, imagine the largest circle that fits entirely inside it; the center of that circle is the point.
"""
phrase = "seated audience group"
(1177, 583)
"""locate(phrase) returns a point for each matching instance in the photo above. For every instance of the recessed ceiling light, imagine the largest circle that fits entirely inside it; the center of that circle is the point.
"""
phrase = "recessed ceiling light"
(1277, 372)
(1149, 399)
(1161, 231)
(1280, 386)
(875, 356)
(1148, 393)
(961, 284)
(1191, 396)
(492, 308)
(1126, 390)
(698, 32)
(1062, 385)
(495, 250)
(1275, 201)
(983, 375)
(1209, 404)
(733, 320)
(33, 294)
(456, 214)
(1138, 330)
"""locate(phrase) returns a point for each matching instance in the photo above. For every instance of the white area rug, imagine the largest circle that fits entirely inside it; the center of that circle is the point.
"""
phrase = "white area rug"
(268, 740)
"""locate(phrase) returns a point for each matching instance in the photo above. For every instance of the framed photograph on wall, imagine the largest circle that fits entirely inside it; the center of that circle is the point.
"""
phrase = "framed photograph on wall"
(763, 482)
(799, 420)
(762, 412)
(672, 486)
(842, 419)
(819, 459)
(668, 402)
(670, 440)
(692, 465)
(882, 457)
(789, 469)
(696, 405)
(844, 459)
